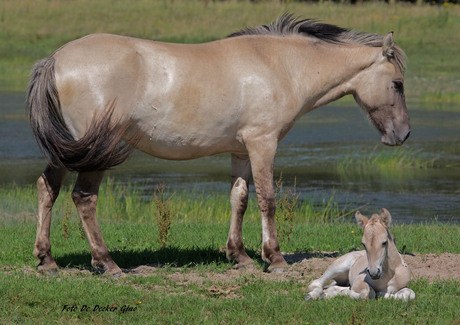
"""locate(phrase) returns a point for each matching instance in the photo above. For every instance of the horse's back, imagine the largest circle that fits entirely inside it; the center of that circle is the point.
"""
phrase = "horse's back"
(178, 95)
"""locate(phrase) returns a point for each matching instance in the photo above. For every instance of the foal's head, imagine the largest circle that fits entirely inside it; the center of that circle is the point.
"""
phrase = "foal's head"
(375, 240)
(380, 92)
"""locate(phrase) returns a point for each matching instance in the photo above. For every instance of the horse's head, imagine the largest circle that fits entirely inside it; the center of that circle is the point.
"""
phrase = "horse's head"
(375, 240)
(380, 92)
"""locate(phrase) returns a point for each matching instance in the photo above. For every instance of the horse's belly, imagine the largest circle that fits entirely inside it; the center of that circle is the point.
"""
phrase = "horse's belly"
(185, 145)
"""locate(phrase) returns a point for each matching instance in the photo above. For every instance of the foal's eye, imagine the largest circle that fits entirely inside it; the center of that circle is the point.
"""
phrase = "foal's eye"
(385, 243)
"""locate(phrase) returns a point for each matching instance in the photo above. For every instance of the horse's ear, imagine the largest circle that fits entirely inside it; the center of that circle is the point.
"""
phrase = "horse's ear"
(388, 44)
(385, 217)
(361, 220)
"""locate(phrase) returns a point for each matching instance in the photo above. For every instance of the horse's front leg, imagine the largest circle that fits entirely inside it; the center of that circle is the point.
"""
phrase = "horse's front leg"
(262, 155)
(85, 196)
(48, 186)
(241, 172)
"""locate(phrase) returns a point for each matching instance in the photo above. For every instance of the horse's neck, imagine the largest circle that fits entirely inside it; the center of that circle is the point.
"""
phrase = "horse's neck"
(335, 74)
(393, 256)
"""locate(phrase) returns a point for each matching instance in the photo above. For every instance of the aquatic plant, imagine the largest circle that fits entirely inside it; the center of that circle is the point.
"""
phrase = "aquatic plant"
(385, 160)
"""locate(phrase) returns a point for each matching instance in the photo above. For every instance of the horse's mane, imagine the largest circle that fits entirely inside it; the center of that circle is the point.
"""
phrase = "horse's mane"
(287, 24)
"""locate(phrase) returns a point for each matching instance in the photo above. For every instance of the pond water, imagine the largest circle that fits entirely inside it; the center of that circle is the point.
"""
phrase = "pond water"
(310, 154)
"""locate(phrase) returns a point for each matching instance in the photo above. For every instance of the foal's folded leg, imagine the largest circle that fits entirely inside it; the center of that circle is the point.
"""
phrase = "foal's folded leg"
(403, 294)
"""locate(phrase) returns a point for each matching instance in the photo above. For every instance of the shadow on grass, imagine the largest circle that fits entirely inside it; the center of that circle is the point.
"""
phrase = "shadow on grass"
(177, 257)
(171, 256)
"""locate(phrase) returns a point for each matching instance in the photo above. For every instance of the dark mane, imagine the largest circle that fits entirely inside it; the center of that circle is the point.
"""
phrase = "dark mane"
(287, 24)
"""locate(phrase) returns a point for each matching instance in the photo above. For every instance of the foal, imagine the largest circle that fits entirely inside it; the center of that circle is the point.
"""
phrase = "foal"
(377, 271)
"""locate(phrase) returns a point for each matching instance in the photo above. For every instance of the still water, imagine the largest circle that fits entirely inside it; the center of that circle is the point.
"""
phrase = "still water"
(310, 154)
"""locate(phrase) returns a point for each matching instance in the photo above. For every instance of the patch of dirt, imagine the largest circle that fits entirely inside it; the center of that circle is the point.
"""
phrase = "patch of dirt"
(428, 266)
(434, 266)
(304, 267)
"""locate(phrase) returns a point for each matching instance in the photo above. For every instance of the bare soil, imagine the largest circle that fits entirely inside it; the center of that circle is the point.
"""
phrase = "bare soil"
(305, 267)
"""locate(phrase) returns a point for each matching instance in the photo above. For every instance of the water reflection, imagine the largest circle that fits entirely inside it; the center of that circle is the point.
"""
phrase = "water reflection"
(311, 152)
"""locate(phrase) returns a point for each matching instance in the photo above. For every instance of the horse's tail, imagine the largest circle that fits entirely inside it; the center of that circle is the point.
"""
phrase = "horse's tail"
(98, 149)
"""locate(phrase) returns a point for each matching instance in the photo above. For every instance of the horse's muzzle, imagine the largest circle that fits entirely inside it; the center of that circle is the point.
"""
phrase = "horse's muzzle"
(393, 139)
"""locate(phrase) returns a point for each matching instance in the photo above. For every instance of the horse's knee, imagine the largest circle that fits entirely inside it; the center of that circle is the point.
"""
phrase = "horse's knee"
(82, 199)
(47, 192)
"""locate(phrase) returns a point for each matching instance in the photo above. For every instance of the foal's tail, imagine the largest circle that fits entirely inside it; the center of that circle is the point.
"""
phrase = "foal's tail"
(98, 149)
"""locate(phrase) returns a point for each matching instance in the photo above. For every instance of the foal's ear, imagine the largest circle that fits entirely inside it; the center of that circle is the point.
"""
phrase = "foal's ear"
(388, 43)
(385, 217)
(361, 220)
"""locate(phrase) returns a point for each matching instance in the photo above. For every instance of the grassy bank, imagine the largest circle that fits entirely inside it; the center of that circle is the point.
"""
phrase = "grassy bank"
(192, 285)
(128, 222)
(36, 28)
(157, 299)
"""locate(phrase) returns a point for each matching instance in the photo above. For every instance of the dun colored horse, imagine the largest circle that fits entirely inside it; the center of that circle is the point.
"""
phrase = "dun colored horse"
(377, 271)
(97, 97)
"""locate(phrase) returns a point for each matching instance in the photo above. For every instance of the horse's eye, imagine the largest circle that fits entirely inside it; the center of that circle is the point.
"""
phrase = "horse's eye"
(399, 86)
(385, 243)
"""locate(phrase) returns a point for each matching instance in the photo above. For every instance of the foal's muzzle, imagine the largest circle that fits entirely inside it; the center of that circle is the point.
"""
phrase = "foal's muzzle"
(375, 273)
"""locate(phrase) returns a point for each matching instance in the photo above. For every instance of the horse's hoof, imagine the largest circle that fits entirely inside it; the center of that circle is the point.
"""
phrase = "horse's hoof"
(279, 266)
(114, 273)
(51, 271)
(244, 266)
(308, 297)
(277, 270)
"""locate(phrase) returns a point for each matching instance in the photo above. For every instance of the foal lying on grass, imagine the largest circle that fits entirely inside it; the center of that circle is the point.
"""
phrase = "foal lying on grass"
(377, 271)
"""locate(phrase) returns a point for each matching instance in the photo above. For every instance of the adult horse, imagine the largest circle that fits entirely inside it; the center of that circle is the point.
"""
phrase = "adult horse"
(241, 95)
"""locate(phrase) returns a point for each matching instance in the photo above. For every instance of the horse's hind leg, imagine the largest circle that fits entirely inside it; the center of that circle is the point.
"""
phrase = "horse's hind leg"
(85, 196)
(241, 171)
(48, 186)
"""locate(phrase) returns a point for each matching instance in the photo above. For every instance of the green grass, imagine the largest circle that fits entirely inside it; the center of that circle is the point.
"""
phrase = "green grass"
(387, 162)
(160, 300)
(194, 249)
(36, 28)
(124, 212)
(125, 203)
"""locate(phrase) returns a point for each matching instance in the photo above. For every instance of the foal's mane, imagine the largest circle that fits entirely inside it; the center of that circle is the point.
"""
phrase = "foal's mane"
(287, 24)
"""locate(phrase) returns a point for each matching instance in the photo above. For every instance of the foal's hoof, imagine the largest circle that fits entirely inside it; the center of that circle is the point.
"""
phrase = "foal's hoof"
(309, 297)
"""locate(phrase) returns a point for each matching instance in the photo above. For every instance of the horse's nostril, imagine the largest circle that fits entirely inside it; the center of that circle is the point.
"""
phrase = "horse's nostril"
(407, 136)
